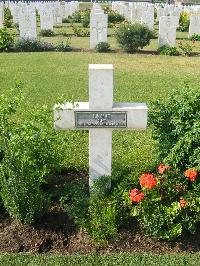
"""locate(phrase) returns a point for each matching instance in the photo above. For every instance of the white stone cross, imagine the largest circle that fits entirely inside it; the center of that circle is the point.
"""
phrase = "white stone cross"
(100, 116)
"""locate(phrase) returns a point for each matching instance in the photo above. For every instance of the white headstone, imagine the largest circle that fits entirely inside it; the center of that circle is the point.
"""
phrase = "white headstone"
(194, 25)
(27, 23)
(46, 20)
(98, 28)
(100, 116)
(1, 14)
(167, 31)
(160, 13)
(148, 19)
(57, 14)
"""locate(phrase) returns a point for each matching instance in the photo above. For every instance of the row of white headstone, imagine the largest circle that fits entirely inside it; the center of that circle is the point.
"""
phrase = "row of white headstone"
(168, 17)
(167, 24)
(51, 14)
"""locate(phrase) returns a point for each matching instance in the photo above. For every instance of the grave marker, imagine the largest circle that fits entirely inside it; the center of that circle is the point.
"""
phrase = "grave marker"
(98, 28)
(194, 25)
(100, 116)
(167, 31)
(1, 14)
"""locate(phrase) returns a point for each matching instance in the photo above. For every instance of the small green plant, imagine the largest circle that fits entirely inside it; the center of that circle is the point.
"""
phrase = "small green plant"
(96, 213)
(166, 50)
(6, 40)
(113, 17)
(195, 37)
(184, 22)
(66, 20)
(82, 17)
(86, 21)
(30, 152)
(7, 22)
(175, 127)
(102, 47)
(79, 31)
(26, 45)
(131, 37)
(76, 18)
(64, 46)
(47, 33)
(186, 48)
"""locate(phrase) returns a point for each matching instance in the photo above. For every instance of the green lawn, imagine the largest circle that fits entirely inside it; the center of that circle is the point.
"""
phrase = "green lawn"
(138, 78)
(93, 260)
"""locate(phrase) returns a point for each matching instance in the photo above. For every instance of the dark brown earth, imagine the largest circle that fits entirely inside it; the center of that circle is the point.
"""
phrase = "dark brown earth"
(56, 233)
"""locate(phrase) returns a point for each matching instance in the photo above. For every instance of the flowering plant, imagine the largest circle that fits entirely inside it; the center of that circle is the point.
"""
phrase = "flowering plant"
(167, 202)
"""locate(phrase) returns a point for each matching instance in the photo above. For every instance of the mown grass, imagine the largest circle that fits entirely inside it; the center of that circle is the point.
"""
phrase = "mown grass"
(138, 78)
(111, 260)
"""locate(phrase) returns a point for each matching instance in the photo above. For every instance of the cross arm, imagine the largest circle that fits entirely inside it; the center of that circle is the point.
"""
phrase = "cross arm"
(64, 115)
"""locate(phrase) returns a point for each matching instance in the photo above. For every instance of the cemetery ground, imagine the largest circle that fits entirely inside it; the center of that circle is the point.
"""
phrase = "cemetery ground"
(65, 34)
(138, 78)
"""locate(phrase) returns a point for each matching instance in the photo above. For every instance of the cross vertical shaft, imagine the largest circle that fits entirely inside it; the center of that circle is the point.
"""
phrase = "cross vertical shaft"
(100, 140)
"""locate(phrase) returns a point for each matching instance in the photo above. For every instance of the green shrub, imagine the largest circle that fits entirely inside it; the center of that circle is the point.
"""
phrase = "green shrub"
(47, 33)
(186, 48)
(30, 151)
(131, 37)
(175, 126)
(66, 20)
(21, 192)
(64, 47)
(113, 17)
(6, 40)
(103, 215)
(80, 32)
(102, 47)
(82, 17)
(7, 18)
(26, 45)
(166, 50)
(86, 21)
(75, 201)
(184, 22)
(76, 17)
(97, 213)
(195, 37)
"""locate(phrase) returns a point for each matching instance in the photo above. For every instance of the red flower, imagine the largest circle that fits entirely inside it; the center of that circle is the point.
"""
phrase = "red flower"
(136, 195)
(163, 168)
(148, 181)
(182, 203)
(191, 174)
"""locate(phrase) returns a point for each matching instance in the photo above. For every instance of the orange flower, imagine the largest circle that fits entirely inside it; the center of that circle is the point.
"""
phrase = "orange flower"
(191, 174)
(182, 203)
(148, 181)
(136, 195)
(163, 168)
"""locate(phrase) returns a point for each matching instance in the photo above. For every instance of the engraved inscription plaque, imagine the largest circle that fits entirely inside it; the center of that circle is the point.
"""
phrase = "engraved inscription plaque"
(100, 119)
